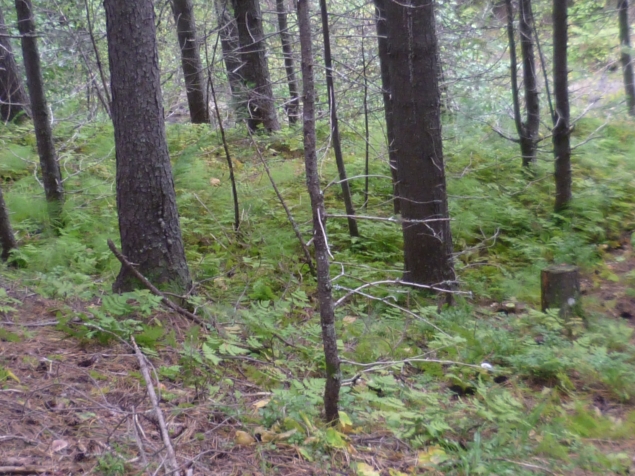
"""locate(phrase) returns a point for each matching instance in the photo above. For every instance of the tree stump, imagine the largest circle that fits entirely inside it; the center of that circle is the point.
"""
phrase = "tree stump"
(560, 286)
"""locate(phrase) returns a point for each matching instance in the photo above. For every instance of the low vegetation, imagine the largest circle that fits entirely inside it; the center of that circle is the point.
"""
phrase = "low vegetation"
(487, 386)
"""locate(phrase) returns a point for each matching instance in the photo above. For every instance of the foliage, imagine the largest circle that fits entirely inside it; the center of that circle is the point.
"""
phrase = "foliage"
(411, 371)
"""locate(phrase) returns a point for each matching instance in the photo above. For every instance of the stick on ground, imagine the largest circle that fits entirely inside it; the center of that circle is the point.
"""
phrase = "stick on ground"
(171, 464)
(171, 304)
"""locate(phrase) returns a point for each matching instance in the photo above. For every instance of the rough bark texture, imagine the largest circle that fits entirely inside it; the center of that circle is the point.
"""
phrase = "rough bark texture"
(51, 175)
(413, 66)
(327, 314)
(256, 81)
(384, 51)
(627, 65)
(560, 289)
(292, 106)
(335, 131)
(191, 61)
(7, 238)
(529, 137)
(513, 67)
(527, 130)
(148, 218)
(229, 44)
(13, 99)
(561, 129)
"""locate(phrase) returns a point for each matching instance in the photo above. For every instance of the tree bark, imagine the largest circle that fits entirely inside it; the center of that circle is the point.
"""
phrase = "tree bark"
(415, 97)
(513, 68)
(229, 44)
(560, 289)
(146, 201)
(561, 129)
(527, 130)
(625, 56)
(191, 61)
(13, 99)
(7, 238)
(325, 298)
(256, 92)
(335, 131)
(384, 52)
(292, 106)
(529, 138)
(51, 175)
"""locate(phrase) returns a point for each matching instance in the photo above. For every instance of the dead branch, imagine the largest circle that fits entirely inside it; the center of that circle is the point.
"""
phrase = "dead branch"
(23, 469)
(175, 307)
(171, 464)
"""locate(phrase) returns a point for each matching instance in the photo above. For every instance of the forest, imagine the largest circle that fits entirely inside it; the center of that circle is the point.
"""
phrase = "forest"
(317, 237)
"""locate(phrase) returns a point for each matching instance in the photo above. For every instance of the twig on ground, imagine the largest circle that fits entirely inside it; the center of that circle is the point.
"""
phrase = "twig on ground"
(23, 469)
(30, 324)
(528, 465)
(171, 464)
(136, 429)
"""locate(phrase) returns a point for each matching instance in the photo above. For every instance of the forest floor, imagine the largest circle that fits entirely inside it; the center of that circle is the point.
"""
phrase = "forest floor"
(72, 407)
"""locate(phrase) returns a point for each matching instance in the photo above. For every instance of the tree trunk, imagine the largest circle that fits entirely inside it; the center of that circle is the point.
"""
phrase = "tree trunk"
(191, 61)
(527, 130)
(414, 74)
(287, 50)
(148, 218)
(229, 44)
(325, 298)
(529, 138)
(627, 65)
(561, 129)
(7, 238)
(13, 99)
(384, 51)
(335, 130)
(513, 69)
(256, 81)
(51, 175)
(560, 289)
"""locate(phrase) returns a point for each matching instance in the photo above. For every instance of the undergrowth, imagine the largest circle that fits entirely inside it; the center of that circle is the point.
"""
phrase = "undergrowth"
(471, 390)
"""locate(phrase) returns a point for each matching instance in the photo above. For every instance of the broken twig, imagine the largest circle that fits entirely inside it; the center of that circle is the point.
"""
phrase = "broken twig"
(171, 464)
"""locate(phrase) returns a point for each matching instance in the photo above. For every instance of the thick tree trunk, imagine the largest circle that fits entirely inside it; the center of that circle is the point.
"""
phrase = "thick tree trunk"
(51, 175)
(627, 65)
(561, 129)
(414, 73)
(13, 99)
(256, 81)
(327, 314)
(292, 106)
(148, 218)
(384, 51)
(335, 130)
(229, 44)
(529, 138)
(191, 61)
(7, 238)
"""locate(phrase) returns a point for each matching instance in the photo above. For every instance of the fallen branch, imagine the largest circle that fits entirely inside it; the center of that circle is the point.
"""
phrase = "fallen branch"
(23, 469)
(175, 307)
(171, 464)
